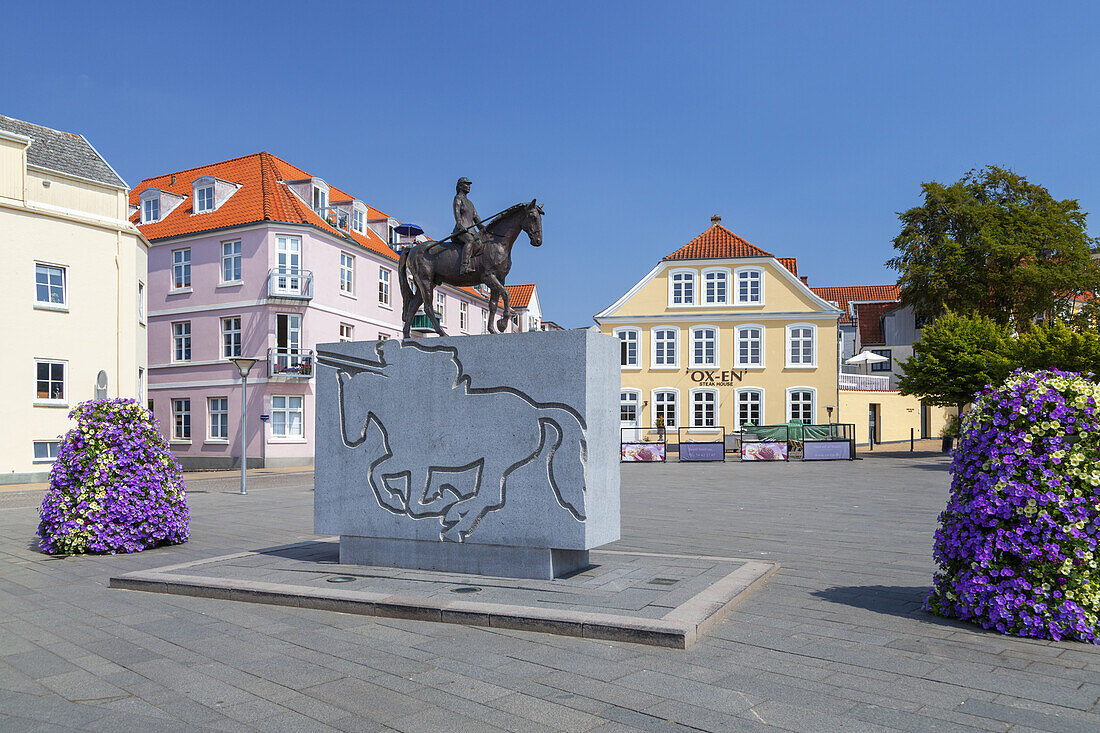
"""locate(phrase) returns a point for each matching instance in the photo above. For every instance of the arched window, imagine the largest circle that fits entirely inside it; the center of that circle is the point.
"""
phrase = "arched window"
(681, 287)
(716, 286)
(628, 347)
(665, 347)
(750, 286)
(801, 345)
(665, 407)
(704, 346)
(704, 408)
(800, 404)
(750, 346)
(750, 407)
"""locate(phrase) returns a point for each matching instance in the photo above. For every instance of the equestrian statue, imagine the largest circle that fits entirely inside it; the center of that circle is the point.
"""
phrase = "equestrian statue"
(475, 253)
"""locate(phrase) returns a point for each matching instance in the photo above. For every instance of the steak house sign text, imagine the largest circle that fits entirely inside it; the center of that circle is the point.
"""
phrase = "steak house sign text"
(715, 378)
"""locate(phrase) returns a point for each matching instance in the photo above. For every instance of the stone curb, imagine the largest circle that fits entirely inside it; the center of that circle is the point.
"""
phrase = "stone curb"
(678, 629)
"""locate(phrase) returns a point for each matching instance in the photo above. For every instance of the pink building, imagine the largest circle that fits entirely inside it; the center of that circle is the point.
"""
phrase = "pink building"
(255, 257)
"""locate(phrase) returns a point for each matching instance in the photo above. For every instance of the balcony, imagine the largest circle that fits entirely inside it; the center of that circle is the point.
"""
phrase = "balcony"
(289, 283)
(865, 382)
(291, 363)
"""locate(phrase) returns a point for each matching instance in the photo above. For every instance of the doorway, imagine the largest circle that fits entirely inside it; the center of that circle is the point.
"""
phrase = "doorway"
(874, 423)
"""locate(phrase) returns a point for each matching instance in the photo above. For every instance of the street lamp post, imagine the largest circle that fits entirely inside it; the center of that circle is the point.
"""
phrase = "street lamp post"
(244, 366)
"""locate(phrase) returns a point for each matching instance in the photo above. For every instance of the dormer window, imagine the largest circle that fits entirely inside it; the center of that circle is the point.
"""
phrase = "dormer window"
(204, 199)
(357, 219)
(150, 210)
(320, 200)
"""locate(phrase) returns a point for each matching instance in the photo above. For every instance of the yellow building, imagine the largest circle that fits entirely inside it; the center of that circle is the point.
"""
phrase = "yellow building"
(72, 289)
(722, 333)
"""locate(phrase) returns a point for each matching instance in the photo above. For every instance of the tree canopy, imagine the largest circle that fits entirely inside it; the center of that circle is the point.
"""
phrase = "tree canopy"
(994, 244)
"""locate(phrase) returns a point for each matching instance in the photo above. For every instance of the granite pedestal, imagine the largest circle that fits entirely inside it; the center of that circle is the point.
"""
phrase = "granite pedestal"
(494, 454)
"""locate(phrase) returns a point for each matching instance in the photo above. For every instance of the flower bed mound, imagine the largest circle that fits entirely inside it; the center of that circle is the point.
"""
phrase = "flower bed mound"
(1017, 542)
(114, 487)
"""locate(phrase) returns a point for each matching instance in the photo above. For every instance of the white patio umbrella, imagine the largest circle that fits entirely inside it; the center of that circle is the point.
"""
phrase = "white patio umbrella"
(866, 357)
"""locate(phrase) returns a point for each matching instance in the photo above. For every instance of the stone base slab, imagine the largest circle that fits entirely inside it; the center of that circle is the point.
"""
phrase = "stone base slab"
(462, 557)
(711, 588)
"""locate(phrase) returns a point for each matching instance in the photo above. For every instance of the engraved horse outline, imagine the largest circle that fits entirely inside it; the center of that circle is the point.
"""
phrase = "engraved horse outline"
(404, 486)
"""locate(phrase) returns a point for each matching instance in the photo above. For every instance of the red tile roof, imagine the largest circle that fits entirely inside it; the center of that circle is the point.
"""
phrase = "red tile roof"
(519, 296)
(869, 319)
(719, 242)
(261, 197)
(843, 294)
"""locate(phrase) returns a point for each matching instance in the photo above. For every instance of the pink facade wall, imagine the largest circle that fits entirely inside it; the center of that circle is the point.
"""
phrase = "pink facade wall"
(210, 375)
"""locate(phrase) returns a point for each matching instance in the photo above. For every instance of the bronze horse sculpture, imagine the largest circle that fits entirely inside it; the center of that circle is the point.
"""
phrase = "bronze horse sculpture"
(434, 263)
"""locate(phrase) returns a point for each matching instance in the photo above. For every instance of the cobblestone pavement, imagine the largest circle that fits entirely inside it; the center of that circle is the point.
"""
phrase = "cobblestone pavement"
(835, 641)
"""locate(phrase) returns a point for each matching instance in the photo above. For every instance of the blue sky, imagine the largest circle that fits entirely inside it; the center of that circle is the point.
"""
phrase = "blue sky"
(806, 126)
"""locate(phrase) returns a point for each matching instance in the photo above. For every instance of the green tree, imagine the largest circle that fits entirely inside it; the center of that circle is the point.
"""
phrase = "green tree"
(955, 358)
(994, 244)
(1056, 346)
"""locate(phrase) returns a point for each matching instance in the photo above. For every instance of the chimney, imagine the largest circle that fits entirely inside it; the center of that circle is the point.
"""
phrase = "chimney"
(805, 280)
(715, 220)
(173, 179)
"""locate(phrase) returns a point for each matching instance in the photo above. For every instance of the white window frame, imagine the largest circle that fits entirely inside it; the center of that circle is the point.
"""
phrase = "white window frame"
(347, 332)
(813, 346)
(384, 278)
(383, 336)
(141, 302)
(48, 458)
(691, 407)
(141, 384)
(146, 210)
(199, 207)
(484, 320)
(695, 364)
(357, 219)
(737, 285)
(177, 424)
(675, 363)
(287, 410)
(210, 420)
(63, 401)
(236, 253)
(230, 332)
(637, 364)
(463, 316)
(672, 282)
(706, 301)
(737, 346)
(49, 304)
(176, 344)
(737, 405)
(440, 307)
(184, 268)
(813, 402)
(347, 274)
(637, 406)
(675, 406)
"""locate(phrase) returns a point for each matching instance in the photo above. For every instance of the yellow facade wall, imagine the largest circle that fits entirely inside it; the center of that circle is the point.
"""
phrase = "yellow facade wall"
(72, 194)
(896, 416)
(785, 302)
(12, 159)
(98, 328)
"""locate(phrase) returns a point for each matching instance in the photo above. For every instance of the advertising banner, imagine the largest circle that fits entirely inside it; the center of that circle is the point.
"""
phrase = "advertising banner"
(702, 451)
(827, 450)
(763, 451)
(646, 452)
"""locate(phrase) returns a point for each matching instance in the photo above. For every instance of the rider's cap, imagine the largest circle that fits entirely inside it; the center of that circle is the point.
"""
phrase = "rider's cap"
(464, 179)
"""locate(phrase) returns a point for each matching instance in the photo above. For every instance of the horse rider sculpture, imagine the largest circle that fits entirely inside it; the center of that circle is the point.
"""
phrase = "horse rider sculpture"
(468, 229)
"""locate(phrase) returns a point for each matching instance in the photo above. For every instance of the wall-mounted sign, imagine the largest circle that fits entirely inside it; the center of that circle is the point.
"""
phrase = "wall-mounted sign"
(827, 450)
(754, 451)
(715, 377)
(642, 452)
(703, 451)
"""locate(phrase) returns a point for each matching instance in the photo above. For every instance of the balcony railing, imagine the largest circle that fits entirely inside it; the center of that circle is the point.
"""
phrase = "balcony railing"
(865, 382)
(289, 282)
(421, 323)
(290, 363)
